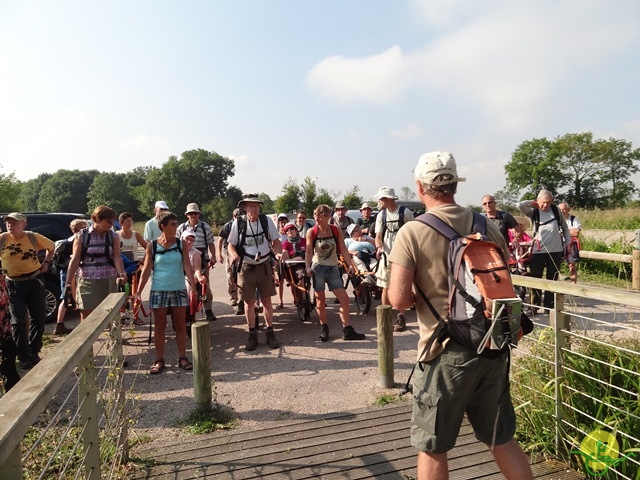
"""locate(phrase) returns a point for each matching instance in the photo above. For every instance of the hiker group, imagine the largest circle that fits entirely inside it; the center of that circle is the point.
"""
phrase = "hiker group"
(450, 264)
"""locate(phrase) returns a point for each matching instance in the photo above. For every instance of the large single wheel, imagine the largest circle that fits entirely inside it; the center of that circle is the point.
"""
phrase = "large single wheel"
(52, 300)
(301, 304)
(363, 299)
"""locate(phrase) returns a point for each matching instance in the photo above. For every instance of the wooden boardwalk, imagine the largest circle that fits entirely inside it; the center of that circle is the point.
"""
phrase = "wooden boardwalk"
(372, 443)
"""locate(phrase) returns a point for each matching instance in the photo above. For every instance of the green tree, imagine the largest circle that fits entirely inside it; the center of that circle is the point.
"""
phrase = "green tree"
(267, 203)
(352, 198)
(289, 201)
(532, 168)
(10, 189)
(197, 176)
(576, 168)
(619, 160)
(66, 191)
(324, 198)
(220, 209)
(309, 195)
(30, 192)
(116, 191)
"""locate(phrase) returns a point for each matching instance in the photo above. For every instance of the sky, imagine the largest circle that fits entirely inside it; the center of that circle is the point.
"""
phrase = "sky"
(346, 92)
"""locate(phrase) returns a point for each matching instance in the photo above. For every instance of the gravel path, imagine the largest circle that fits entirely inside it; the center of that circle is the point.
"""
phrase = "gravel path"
(301, 379)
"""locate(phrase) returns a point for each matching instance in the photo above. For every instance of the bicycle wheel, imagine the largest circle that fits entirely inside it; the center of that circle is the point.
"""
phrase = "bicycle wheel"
(363, 299)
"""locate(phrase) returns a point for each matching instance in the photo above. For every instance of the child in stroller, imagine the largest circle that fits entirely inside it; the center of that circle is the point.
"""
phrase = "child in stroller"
(294, 270)
(363, 251)
(293, 248)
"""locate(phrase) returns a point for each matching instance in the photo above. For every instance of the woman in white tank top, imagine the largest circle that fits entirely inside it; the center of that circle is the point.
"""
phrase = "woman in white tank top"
(128, 238)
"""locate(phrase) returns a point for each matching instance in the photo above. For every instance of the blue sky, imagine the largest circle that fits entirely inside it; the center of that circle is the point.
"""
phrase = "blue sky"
(347, 92)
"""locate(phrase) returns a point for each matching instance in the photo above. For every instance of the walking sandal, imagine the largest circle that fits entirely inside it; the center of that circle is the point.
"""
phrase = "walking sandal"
(157, 367)
(185, 364)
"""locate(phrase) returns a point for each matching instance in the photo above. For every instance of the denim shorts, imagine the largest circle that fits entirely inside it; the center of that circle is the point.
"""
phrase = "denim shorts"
(326, 275)
(166, 298)
(454, 383)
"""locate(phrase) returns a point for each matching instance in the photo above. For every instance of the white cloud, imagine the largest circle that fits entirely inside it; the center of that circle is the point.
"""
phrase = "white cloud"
(378, 78)
(412, 130)
(506, 59)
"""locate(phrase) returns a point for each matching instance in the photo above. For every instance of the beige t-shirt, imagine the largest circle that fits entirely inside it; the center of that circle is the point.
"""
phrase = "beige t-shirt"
(422, 249)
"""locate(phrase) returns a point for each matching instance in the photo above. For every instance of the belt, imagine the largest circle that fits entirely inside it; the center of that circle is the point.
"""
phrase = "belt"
(25, 277)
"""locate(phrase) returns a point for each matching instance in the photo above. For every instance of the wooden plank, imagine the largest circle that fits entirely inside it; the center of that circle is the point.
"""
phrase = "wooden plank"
(368, 444)
(609, 295)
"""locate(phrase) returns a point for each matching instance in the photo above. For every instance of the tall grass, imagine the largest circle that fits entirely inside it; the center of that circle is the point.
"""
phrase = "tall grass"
(617, 219)
(599, 390)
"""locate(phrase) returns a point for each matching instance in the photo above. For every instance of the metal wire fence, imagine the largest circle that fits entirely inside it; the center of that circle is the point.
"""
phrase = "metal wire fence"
(69, 416)
(576, 380)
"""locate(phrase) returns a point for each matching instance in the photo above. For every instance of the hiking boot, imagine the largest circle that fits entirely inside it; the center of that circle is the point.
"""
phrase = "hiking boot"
(234, 303)
(252, 342)
(349, 333)
(210, 316)
(401, 323)
(61, 329)
(324, 333)
(271, 338)
(240, 309)
(26, 364)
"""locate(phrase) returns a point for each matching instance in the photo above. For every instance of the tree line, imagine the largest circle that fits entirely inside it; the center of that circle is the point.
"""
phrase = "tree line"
(575, 167)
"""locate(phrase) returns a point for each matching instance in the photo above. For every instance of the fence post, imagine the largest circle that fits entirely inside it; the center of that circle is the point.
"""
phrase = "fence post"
(635, 270)
(560, 325)
(12, 467)
(201, 348)
(121, 395)
(88, 402)
(385, 345)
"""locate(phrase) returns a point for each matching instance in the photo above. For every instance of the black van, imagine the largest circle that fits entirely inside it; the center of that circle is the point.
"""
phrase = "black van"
(54, 226)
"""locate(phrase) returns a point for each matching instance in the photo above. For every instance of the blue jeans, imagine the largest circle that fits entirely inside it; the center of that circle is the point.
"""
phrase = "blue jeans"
(27, 295)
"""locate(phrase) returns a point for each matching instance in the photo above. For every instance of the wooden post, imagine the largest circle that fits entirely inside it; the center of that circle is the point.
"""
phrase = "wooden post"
(12, 467)
(635, 270)
(201, 347)
(385, 345)
(88, 401)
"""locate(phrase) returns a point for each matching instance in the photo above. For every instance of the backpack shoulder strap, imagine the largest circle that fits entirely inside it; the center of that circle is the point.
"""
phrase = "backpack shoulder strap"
(440, 226)
(314, 236)
(242, 230)
(401, 216)
(265, 226)
(535, 220)
(32, 239)
(84, 236)
(479, 225)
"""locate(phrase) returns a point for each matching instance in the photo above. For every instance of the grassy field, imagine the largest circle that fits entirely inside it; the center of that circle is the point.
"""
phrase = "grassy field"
(619, 219)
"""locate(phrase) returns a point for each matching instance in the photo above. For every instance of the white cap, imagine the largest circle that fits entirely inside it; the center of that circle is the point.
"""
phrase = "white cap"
(351, 228)
(162, 204)
(188, 233)
(432, 164)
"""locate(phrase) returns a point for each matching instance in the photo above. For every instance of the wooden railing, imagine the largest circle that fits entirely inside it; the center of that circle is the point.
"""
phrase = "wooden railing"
(24, 404)
(633, 259)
